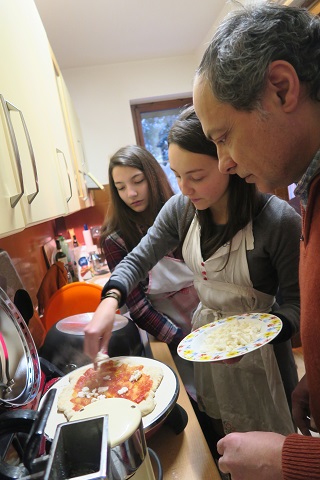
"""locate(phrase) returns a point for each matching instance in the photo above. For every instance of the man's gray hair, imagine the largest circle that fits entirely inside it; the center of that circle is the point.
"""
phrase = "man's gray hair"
(236, 62)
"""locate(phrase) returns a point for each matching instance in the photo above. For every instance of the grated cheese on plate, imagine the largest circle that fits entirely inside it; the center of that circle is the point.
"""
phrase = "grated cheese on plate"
(231, 336)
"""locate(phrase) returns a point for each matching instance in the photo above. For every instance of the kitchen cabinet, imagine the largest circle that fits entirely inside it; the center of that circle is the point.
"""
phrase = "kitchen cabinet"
(75, 141)
(62, 143)
(38, 176)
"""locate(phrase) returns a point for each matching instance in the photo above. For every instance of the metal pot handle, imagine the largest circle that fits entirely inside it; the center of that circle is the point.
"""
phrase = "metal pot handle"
(37, 430)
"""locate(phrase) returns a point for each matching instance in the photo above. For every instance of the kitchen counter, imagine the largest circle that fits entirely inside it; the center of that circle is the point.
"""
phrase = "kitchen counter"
(187, 455)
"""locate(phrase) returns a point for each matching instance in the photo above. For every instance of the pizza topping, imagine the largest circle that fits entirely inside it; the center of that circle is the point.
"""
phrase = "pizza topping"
(123, 390)
(102, 389)
(135, 376)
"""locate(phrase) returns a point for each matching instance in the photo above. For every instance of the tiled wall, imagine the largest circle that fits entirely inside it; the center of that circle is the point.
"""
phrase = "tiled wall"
(25, 248)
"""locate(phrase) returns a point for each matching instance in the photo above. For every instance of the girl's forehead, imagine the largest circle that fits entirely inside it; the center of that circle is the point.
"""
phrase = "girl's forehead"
(124, 173)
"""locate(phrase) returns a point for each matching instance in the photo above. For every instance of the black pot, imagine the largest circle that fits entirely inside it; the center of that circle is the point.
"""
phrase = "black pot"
(63, 345)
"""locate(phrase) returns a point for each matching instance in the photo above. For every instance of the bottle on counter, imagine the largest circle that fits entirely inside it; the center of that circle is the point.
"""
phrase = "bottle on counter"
(87, 238)
(75, 242)
(62, 257)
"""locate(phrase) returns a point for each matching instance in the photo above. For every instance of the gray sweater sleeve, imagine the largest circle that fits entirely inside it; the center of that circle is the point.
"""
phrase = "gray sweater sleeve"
(163, 237)
(274, 262)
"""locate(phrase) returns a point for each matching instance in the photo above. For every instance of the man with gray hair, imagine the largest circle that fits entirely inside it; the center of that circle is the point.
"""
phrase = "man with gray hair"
(257, 95)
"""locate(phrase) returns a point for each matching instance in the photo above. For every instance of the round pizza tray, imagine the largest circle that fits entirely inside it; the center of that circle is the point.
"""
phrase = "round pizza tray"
(165, 396)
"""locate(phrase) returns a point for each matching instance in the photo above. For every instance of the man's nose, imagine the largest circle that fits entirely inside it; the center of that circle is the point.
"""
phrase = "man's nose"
(226, 164)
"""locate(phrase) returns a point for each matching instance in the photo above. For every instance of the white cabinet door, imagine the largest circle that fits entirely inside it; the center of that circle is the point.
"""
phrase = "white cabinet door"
(75, 138)
(55, 112)
(24, 54)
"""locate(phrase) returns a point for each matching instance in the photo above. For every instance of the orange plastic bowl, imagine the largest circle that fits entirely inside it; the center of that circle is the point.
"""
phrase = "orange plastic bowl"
(74, 298)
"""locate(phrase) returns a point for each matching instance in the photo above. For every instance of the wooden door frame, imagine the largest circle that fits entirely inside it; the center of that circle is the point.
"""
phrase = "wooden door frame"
(155, 106)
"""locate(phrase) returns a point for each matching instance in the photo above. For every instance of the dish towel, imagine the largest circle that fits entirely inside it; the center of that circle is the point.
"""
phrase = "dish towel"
(55, 278)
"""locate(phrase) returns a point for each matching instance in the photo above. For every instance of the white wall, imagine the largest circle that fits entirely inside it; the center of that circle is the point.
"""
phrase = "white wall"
(102, 96)
(228, 7)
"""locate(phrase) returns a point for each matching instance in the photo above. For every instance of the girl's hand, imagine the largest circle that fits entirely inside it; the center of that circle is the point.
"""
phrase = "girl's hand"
(99, 329)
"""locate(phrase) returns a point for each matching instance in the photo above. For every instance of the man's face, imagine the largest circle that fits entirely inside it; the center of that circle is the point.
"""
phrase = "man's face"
(255, 145)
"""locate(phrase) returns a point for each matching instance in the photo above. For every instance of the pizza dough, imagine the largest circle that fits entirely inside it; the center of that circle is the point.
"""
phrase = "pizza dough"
(121, 378)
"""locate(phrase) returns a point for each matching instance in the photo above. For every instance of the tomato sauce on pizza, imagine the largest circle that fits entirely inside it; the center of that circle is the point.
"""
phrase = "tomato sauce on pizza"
(119, 378)
(111, 381)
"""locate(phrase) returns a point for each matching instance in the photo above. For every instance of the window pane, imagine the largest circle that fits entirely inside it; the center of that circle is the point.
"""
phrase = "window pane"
(155, 128)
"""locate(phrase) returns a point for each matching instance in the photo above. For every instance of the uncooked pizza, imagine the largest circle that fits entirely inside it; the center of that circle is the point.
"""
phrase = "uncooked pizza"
(121, 378)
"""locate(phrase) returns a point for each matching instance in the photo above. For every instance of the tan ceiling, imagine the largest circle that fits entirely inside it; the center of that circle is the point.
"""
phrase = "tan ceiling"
(96, 32)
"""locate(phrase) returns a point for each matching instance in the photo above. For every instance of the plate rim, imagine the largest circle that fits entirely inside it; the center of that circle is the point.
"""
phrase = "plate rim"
(159, 418)
(220, 356)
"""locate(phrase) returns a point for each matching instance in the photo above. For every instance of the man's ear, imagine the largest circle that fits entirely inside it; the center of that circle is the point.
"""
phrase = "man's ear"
(285, 82)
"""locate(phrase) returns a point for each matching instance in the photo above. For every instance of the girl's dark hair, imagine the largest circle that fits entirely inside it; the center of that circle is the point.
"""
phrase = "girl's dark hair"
(121, 217)
(244, 199)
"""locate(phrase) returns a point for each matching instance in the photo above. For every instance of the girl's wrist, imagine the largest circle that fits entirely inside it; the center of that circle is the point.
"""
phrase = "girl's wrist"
(112, 294)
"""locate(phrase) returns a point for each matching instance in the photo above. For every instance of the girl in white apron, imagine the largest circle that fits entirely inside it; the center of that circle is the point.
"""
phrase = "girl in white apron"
(164, 302)
(248, 395)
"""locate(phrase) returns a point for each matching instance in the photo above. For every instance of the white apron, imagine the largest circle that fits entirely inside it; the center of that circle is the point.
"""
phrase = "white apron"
(248, 395)
(172, 293)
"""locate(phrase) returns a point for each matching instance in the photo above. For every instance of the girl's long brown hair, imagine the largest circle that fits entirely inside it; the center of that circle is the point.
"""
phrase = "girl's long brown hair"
(120, 217)
(244, 199)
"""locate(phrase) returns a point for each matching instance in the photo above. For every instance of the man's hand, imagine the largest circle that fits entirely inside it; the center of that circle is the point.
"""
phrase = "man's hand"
(252, 455)
(300, 406)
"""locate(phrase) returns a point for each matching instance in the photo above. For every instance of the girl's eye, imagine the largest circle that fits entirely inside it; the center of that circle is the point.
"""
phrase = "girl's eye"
(139, 181)
(197, 179)
(120, 188)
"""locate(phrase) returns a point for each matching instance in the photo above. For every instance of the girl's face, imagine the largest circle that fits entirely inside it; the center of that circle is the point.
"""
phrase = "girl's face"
(199, 179)
(132, 187)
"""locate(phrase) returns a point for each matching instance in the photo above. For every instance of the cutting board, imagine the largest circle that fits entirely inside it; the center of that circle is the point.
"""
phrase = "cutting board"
(49, 249)
(10, 280)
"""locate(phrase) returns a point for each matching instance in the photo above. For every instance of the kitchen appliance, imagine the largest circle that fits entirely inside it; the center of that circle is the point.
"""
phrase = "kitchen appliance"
(128, 454)
(165, 397)
(111, 446)
(22, 427)
(23, 378)
(63, 345)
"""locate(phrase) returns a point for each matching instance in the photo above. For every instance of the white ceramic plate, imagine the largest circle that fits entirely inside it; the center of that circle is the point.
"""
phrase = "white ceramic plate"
(192, 346)
(165, 396)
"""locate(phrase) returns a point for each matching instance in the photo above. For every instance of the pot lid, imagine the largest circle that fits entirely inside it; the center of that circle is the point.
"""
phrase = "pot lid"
(19, 362)
(75, 324)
